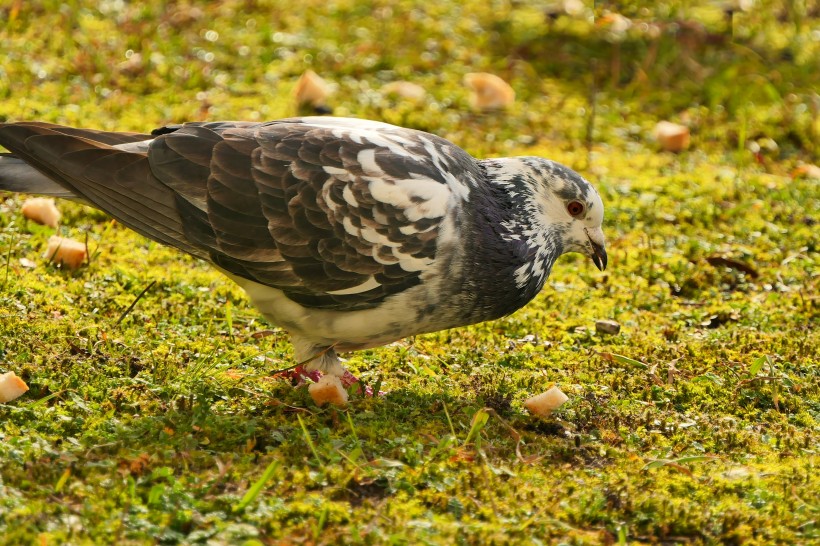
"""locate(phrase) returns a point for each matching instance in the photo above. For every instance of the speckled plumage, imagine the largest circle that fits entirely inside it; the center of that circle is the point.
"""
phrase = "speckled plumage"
(347, 233)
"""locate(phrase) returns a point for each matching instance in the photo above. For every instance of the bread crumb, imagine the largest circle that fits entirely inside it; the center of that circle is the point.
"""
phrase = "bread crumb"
(405, 90)
(11, 387)
(67, 252)
(488, 91)
(671, 136)
(311, 89)
(329, 388)
(41, 210)
(545, 403)
(807, 171)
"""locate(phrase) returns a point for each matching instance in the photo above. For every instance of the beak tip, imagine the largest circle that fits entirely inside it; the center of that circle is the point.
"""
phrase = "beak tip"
(599, 258)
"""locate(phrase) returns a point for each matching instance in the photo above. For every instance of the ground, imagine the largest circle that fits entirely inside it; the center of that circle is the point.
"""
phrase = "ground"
(698, 423)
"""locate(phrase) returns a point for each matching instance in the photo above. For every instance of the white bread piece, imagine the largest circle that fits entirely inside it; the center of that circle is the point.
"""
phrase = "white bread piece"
(11, 387)
(671, 136)
(41, 210)
(807, 171)
(329, 388)
(488, 91)
(68, 252)
(311, 89)
(545, 403)
(405, 90)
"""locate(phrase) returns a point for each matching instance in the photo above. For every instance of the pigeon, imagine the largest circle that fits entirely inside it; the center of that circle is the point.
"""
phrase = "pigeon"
(346, 233)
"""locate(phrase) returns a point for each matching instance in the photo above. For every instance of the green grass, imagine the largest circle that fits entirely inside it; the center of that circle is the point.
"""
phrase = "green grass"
(170, 427)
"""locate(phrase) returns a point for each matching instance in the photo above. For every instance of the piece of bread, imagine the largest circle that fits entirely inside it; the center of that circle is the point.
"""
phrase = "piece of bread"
(68, 252)
(488, 91)
(405, 90)
(671, 136)
(11, 387)
(41, 210)
(545, 403)
(311, 89)
(329, 388)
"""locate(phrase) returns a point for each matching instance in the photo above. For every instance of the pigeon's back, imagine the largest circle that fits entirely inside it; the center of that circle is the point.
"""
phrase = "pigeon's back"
(337, 213)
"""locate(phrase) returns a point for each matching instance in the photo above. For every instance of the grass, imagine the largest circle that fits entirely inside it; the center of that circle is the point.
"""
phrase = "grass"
(698, 423)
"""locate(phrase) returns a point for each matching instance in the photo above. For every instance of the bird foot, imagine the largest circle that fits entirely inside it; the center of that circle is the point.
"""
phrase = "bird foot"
(299, 375)
(349, 379)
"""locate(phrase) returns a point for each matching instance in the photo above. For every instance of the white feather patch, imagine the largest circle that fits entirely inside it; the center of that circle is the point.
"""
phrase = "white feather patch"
(339, 174)
(418, 197)
(135, 147)
(367, 160)
(349, 227)
(409, 263)
(369, 284)
(347, 193)
(372, 236)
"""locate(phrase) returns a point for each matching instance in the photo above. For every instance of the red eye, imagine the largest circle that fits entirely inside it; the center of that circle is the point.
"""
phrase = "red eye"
(575, 208)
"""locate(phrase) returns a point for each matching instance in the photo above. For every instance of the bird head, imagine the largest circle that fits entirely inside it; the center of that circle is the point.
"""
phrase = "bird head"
(566, 210)
(577, 208)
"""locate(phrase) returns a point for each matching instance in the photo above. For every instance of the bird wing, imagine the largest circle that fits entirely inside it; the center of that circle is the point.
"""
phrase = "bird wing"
(337, 213)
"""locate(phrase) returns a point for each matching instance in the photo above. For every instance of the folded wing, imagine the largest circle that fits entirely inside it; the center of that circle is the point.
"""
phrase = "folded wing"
(336, 213)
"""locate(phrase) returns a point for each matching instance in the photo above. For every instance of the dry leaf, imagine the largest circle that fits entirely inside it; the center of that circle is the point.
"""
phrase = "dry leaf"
(405, 90)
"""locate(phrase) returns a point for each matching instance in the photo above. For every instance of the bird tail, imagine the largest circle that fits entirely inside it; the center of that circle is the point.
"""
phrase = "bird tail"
(18, 176)
(107, 170)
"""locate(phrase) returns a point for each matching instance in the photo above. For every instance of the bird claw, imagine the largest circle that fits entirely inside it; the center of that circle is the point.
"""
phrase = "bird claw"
(298, 376)
(349, 379)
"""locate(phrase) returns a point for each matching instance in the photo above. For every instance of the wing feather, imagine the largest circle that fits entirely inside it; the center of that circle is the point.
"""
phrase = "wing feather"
(336, 213)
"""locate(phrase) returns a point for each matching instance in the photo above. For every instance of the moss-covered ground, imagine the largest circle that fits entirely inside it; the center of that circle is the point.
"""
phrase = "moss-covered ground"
(169, 426)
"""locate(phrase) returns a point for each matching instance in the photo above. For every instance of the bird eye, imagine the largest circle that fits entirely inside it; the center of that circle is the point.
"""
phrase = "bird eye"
(575, 208)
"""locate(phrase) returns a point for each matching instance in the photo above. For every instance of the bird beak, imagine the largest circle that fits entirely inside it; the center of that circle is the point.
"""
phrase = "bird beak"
(596, 242)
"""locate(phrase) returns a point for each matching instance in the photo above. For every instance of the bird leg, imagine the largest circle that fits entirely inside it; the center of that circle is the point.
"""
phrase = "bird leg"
(316, 361)
(298, 374)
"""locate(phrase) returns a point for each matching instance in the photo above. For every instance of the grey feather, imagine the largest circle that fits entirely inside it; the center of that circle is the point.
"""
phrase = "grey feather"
(18, 176)
(348, 233)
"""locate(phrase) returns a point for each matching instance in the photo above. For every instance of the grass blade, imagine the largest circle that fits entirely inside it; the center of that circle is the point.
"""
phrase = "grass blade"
(476, 426)
(621, 359)
(257, 486)
(134, 303)
(308, 439)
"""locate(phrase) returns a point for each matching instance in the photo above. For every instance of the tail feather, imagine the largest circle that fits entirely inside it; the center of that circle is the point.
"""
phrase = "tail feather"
(108, 171)
(18, 176)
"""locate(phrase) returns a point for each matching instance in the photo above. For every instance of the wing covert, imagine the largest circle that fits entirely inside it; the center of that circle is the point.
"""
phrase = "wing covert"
(336, 217)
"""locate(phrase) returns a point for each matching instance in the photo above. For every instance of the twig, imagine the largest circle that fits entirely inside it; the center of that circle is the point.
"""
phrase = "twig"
(593, 99)
(517, 437)
(134, 303)
(8, 262)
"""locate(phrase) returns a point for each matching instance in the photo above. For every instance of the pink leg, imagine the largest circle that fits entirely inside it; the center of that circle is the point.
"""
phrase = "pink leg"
(298, 375)
(349, 379)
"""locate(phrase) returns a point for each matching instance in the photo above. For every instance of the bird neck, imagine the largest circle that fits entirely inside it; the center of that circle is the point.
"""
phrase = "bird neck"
(515, 249)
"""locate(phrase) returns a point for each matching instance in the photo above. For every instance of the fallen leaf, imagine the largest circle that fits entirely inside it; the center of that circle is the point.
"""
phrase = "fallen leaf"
(717, 261)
